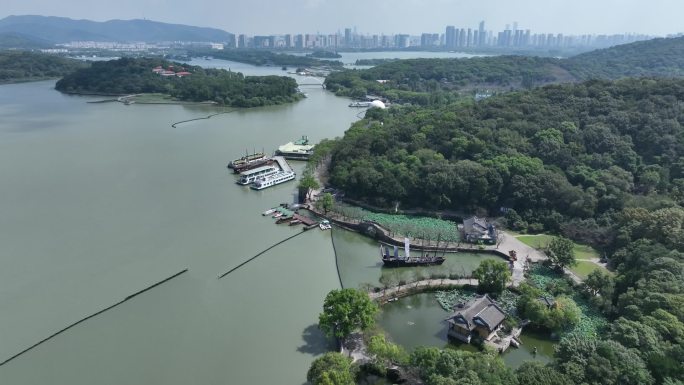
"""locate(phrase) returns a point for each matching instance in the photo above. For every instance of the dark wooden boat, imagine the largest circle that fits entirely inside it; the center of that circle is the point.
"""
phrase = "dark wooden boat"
(252, 165)
(395, 260)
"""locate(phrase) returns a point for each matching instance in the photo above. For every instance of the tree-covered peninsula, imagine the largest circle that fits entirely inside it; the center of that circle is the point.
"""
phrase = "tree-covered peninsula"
(22, 66)
(561, 157)
(180, 81)
(441, 81)
(599, 161)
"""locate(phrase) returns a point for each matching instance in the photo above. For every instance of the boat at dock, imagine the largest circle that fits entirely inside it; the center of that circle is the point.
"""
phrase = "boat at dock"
(250, 176)
(254, 164)
(395, 260)
(247, 159)
(272, 180)
(297, 150)
(325, 225)
(360, 104)
(268, 212)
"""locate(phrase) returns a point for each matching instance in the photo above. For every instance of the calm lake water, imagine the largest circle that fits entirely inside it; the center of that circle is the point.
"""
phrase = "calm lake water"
(98, 201)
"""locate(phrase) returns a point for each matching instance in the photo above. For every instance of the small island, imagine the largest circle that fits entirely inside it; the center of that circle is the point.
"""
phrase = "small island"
(26, 66)
(180, 82)
(323, 54)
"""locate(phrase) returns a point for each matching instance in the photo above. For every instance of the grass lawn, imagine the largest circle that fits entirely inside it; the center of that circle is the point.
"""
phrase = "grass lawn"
(537, 241)
(542, 240)
(584, 268)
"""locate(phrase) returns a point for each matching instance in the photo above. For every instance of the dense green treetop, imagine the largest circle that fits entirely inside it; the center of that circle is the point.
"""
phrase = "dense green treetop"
(332, 368)
(133, 76)
(345, 311)
(492, 276)
(556, 154)
(17, 66)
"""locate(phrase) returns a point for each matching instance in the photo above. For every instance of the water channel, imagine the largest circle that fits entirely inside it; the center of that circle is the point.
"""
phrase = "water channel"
(98, 201)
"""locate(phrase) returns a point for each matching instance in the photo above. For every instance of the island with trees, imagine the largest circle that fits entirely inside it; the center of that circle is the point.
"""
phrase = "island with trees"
(23, 66)
(180, 81)
(260, 57)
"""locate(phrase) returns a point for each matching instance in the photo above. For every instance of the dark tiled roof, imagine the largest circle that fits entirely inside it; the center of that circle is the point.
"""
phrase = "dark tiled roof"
(481, 311)
(475, 224)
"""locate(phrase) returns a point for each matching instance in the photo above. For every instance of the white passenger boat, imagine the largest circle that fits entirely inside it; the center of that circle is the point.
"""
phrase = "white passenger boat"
(272, 180)
(250, 176)
(268, 212)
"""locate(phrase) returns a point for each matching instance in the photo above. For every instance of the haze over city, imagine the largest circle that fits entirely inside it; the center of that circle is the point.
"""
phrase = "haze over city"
(656, 17)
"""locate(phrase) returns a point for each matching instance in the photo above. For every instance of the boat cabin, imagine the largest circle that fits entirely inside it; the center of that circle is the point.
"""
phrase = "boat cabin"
(480, 317)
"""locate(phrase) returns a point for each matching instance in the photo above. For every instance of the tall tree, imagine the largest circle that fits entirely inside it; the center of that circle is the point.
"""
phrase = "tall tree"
(492, 276)
(560, 252)
(326, 202)
(345, 311)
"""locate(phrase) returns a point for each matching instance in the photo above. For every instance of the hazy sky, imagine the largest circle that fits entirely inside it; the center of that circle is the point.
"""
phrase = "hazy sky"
(655, 17)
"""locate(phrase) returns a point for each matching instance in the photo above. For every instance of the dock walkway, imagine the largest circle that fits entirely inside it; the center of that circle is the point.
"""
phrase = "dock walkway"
(282, 163)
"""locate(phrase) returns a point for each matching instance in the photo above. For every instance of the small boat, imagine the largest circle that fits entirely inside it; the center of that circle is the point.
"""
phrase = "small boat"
(325, 225)
(295, 222)
(268, 212)
(277, 215)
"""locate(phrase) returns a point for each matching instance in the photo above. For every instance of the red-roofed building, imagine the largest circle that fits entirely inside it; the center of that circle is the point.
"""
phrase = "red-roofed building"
(183, 73)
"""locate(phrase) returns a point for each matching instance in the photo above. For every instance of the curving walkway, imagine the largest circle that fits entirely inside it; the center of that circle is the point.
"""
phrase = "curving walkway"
(418, 286)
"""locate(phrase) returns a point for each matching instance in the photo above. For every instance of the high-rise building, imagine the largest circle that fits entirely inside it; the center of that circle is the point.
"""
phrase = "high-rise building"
(462, 38)
(288, 41)
(469, 38)
(242, 41)
(347, 37)
(450, 36)
(482, 35)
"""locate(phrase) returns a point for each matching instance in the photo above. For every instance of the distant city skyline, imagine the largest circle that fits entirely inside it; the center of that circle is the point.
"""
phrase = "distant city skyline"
(267, 17)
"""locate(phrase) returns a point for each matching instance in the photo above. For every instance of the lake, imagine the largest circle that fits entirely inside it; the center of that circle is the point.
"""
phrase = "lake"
(99, 201)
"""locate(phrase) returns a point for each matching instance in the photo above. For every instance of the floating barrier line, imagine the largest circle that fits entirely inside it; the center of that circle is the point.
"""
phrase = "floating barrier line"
(337, 265)
(254, 257)
(91, 316)
(202, 118)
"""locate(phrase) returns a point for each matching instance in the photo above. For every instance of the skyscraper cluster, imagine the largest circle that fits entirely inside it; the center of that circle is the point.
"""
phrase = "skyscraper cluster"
(453, 38)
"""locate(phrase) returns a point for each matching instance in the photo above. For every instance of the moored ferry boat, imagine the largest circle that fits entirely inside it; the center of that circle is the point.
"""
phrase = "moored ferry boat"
(250, 176)
(247, 159)
(360, 104)
(272, 180)
(406, 260)
(267, 161)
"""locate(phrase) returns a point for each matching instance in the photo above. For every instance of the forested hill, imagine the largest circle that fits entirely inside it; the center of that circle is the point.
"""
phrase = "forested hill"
(657, 57)
(63, 30)
(558, 155)
(191, 83)
(440, 81)
(19, 66)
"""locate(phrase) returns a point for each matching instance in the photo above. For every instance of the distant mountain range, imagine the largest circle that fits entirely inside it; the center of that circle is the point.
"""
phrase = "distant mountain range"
(50, 29)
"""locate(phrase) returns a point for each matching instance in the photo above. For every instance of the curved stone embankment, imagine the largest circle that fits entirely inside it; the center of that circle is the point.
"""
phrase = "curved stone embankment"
(407, 289)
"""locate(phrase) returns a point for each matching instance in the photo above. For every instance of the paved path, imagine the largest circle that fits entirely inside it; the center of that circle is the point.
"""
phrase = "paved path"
(523, 252)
